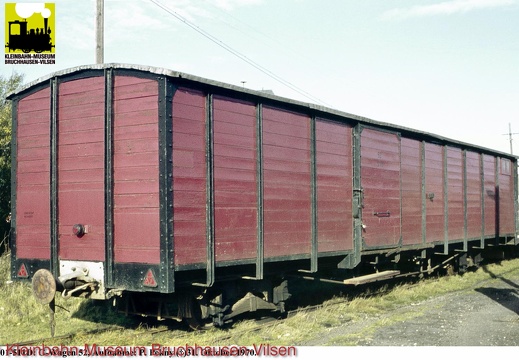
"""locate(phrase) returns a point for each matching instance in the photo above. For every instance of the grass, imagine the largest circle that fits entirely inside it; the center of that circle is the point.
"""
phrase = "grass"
(22, 318)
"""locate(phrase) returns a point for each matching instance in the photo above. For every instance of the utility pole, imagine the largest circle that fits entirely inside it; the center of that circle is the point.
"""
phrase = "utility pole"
(100, 32)
(510, 133)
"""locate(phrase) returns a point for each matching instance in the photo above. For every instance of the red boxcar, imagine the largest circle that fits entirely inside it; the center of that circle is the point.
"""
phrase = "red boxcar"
(129, 180)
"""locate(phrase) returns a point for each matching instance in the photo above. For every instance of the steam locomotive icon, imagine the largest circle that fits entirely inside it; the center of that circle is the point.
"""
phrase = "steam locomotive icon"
(20, 38)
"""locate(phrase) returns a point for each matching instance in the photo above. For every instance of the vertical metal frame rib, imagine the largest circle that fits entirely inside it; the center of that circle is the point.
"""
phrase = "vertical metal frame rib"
(109, 234)
(497, 203)
(424, 193)
(516, 201)
(482, 198)
(400, 180)
(445, 200)
(54, 106)
(465, 201)
(14, 171)
(313, 182)
(357, 202)
(209, 137)
(259, 183)
(167, 279)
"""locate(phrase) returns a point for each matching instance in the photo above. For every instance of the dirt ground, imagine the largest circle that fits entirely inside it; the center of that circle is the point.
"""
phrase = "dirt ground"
(487, 315)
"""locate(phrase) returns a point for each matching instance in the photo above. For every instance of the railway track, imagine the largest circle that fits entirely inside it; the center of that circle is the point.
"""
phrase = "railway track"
(68, 336)
(261, 323)
(261, 186)
(89, 332)
(361, 291)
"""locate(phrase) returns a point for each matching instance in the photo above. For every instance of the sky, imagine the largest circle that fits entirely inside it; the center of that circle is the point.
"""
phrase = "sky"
(448, 67)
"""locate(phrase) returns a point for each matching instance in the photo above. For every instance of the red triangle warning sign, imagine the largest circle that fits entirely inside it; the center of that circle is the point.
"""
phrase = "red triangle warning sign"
(22, 272)
(149, 279)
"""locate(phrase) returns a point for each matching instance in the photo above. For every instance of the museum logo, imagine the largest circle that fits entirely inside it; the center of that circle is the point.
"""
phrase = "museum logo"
(30, 33)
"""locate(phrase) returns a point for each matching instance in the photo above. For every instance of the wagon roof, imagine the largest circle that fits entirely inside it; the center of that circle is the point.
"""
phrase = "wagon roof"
(310, 107)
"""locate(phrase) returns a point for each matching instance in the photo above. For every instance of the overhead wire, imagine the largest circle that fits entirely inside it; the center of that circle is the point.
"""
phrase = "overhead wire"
(239, 55)
(263, 37)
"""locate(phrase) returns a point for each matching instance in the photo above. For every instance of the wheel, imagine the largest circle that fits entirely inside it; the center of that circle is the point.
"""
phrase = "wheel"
(193, 317)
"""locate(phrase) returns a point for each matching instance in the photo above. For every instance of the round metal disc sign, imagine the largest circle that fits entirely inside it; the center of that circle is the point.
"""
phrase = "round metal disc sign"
(43, 286)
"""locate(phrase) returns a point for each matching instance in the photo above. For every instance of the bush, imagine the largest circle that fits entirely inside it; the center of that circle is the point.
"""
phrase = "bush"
(7, 85)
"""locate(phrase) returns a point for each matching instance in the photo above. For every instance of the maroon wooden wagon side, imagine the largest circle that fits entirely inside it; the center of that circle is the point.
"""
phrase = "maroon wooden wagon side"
(199, 197)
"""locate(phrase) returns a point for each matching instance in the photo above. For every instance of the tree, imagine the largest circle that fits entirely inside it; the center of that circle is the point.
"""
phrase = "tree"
(7, 85)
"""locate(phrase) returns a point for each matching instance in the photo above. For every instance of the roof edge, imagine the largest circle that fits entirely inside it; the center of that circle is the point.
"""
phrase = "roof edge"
(240, 89)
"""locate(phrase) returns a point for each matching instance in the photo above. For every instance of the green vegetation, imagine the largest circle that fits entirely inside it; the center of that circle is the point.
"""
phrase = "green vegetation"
(22, 318)
(7, 85)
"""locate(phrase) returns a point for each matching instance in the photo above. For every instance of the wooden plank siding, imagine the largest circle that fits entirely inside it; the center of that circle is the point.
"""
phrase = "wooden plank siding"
(135, 170)
(33, 176)
(81, 168)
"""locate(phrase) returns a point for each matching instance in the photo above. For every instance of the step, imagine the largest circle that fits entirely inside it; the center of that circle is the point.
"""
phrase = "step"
(383, 275)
